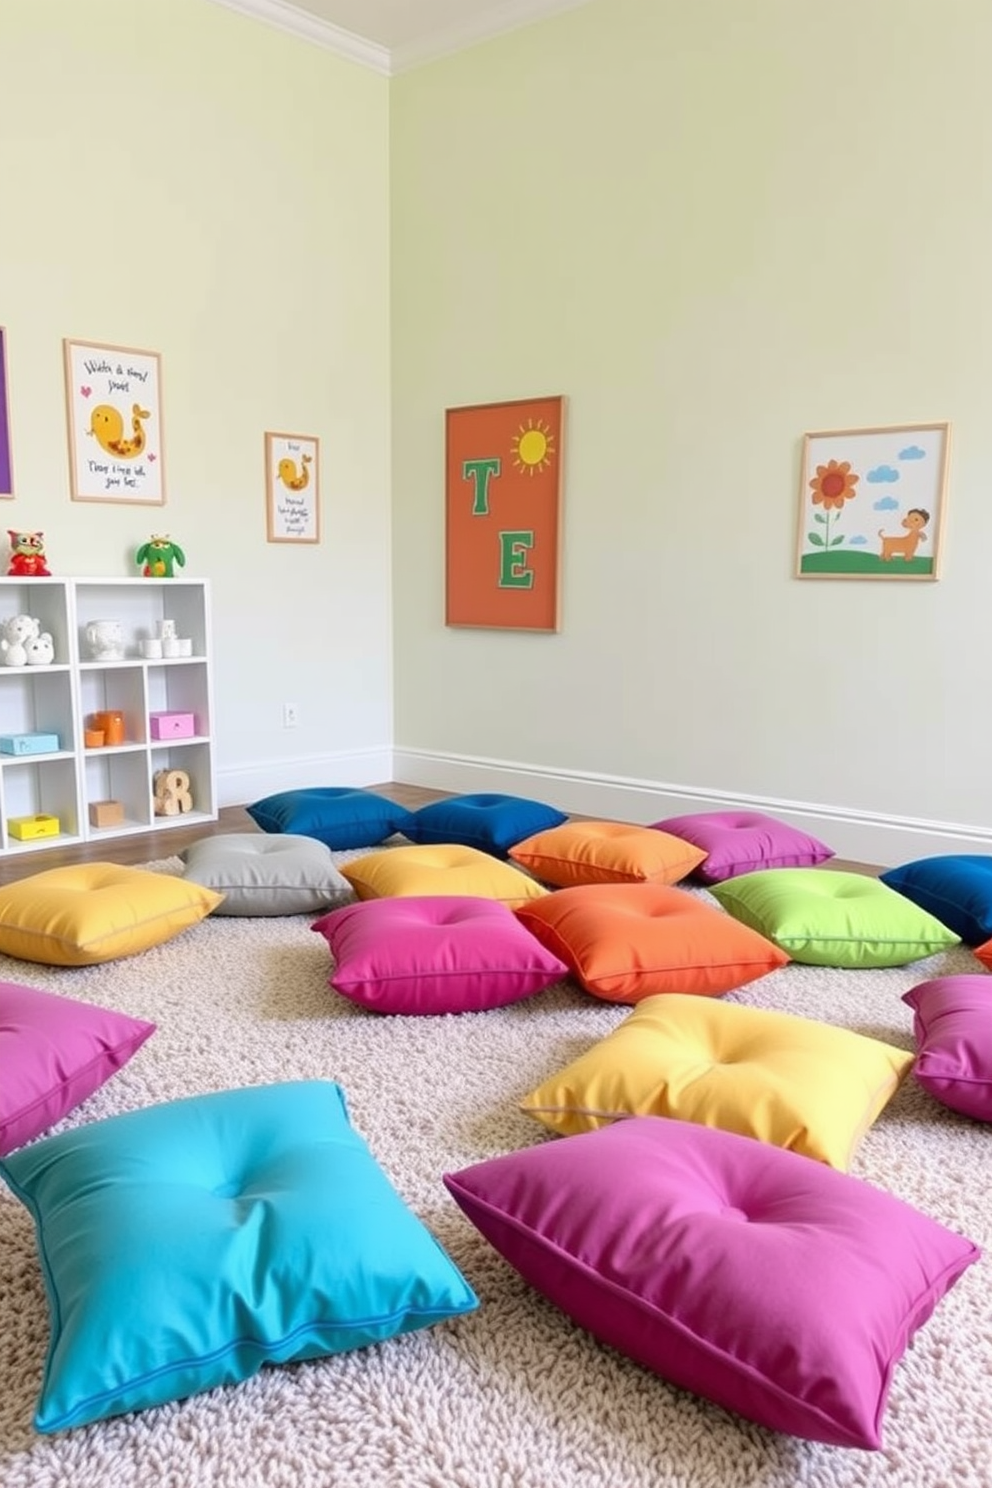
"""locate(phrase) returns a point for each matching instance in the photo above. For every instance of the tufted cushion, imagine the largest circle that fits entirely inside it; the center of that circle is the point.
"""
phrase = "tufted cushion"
(771, 1285)
(956, 889)
(260, 875)
(792, 1082)
(339, 816)
(450, 870)
(492, 823)
(187, 1244)
(54, 1052)
(434, 955)
(586, 852)
(827, 918)
(743, 842)
(94, 912)
(627, 941)
(952, 1025)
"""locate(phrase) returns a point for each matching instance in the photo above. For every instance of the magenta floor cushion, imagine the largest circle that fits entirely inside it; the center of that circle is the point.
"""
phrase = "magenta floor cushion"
(54, 1052)
(743, 841)
(766, 1282)
(952, 1025)
(435, 954)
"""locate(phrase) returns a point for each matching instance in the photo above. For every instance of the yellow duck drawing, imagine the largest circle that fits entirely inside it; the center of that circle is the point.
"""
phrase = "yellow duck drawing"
(107, 425)
(291, 479)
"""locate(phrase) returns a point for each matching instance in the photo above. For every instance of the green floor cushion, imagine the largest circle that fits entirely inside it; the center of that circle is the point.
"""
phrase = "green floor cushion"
(824, 917)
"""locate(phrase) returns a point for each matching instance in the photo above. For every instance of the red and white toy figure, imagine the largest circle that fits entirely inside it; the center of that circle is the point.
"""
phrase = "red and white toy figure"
(27, 555)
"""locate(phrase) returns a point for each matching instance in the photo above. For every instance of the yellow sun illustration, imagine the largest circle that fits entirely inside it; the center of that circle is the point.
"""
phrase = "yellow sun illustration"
(533, 447)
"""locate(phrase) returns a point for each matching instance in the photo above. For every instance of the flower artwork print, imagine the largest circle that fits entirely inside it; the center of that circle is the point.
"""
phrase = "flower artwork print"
(872, 502)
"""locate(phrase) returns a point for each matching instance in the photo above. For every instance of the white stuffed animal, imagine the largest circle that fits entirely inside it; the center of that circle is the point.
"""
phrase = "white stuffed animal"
(40, 649)
(15, 632)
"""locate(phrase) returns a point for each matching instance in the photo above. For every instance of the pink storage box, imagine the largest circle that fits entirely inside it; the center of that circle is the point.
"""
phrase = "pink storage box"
(172, 725)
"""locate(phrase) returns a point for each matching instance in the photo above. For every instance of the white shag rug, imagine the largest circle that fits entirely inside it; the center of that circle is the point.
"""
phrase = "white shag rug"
(513, 1395)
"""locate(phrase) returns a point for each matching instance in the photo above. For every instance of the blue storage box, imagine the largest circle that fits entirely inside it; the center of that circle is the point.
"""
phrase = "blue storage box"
(29, 743)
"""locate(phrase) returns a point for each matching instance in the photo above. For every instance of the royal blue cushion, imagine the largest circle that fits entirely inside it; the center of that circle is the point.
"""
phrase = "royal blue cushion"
(491, 823)
(339, 816)
(187, 1244)
(956, 889)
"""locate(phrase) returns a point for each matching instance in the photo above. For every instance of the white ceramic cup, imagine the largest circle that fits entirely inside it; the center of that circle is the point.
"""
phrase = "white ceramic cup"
(170, 646)
(185, 646)
(151, 648)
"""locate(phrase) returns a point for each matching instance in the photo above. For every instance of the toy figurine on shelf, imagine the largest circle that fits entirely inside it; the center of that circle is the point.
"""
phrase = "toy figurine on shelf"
(159, 556)
(27, 555)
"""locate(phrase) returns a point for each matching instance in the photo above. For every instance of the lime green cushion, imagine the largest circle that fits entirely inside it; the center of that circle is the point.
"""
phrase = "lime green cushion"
(824, 917)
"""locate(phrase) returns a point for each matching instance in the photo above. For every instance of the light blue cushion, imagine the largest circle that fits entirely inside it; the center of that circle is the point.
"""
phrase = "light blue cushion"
(339, 816)
(187, 1244)
(956, 888)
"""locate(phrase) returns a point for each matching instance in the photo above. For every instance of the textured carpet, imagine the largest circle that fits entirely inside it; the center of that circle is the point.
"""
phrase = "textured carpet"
(513, 1395)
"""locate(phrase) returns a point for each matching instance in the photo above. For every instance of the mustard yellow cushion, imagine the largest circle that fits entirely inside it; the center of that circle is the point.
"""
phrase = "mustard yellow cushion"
(444, 868)
(796, 1083)
(587, 852)
(78, 916)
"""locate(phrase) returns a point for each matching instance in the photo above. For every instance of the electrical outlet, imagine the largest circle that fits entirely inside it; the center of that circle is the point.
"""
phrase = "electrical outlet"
(290, 715)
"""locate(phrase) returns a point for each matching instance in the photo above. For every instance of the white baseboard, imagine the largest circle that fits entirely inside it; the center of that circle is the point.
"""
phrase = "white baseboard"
(863, 837)
(241, 784)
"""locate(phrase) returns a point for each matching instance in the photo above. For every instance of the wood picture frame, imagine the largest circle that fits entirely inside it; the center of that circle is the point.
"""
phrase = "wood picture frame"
(6, 456)
(503, 484)
(872, 502)
(292, 488)
(114, 418)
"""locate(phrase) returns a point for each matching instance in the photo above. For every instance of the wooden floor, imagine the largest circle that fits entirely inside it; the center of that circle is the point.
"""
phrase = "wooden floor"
(142, 847)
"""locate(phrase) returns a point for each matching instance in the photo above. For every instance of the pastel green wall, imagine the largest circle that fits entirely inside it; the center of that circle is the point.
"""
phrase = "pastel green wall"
(712, 227)
(179, 178)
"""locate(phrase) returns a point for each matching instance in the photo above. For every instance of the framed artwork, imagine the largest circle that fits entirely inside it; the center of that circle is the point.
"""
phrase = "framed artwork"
(114, 408)
(503, 464)
(292, 488)
(872, 502)
(6, 459)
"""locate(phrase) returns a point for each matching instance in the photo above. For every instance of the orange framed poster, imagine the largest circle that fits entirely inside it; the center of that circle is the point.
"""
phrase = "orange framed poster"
(503, 514)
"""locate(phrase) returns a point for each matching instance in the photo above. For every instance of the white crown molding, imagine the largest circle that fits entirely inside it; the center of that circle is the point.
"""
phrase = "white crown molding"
(500, 17)
(301, 23)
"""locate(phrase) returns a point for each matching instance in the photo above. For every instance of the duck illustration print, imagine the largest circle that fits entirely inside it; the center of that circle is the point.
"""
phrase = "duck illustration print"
(292, 488)
(114, 414)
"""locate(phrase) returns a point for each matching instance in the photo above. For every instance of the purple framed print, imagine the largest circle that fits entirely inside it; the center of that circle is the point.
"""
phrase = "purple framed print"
(6, 461)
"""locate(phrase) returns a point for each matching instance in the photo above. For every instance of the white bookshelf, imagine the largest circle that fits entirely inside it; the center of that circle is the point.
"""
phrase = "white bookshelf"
(61, 698)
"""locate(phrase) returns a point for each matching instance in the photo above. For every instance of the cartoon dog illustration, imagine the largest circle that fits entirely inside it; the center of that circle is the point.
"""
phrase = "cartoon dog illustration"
(914, 521)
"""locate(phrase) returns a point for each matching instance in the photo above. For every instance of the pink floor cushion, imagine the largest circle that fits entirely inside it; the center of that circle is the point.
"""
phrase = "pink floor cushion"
(54, 1052)
(493, 823)
(434, 955)
(952, 1025)
(772, 1285)
(744, 841)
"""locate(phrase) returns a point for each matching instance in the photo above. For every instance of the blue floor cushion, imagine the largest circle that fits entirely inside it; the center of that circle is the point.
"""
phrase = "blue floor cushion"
(185, 1245)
